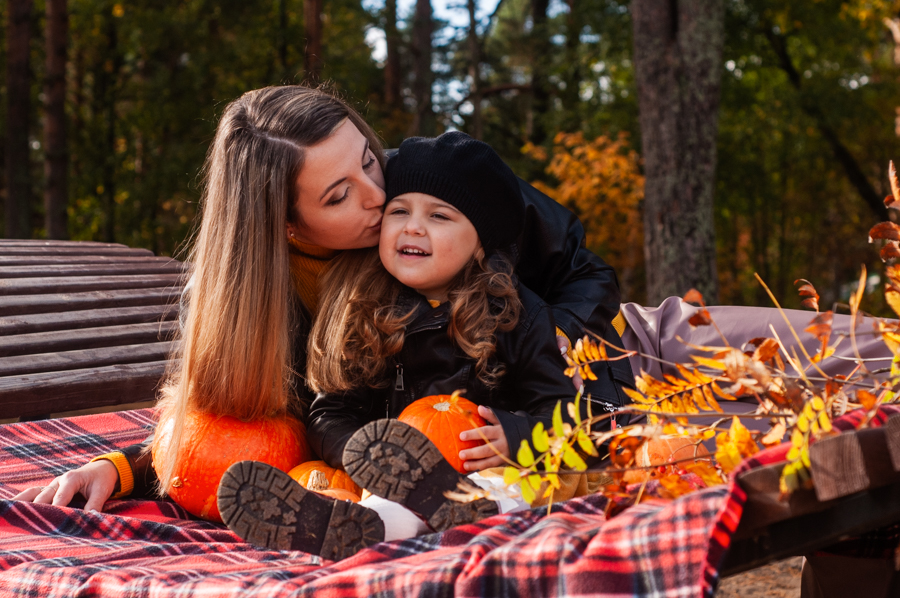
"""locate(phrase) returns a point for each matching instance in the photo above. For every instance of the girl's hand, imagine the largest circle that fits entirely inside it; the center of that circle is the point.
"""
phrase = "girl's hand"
(563, 344)
(482, 457)
(95, 481)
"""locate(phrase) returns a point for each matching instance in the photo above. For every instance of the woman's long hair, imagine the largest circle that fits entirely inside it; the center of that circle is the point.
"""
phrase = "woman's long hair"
(362, 323)
(236, 343)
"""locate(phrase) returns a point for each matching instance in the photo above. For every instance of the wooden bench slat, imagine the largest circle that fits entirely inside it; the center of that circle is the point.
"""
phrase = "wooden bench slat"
(42, 260)
(90, 318)
(55, 243)
(87, 358)
(41, 394)
(88, 338)
(72, 250)
(58, 270)
(63, 302)
(23, 286)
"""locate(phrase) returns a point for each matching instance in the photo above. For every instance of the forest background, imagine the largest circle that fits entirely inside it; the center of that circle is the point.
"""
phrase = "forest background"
(699, 141)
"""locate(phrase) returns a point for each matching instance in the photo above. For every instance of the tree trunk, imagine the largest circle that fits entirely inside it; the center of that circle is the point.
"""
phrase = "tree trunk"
(18, 111)
(313, 23)
(56, 163)
(106, 91)
(540, 71)
(392, 66)
(282, 41)
(423, 120)
(475, 73)
(677, 59)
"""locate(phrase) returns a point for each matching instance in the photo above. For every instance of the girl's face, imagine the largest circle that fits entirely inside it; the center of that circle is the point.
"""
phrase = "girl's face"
(425, 243)
(340, 193)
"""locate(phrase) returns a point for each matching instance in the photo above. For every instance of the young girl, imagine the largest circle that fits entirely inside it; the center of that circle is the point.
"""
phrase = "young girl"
(436, 309)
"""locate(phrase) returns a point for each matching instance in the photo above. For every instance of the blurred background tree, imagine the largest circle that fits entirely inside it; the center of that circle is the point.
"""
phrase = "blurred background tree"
(108, 108)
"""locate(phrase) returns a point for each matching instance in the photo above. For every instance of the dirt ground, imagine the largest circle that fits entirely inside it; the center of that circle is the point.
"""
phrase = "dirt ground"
(780, 579)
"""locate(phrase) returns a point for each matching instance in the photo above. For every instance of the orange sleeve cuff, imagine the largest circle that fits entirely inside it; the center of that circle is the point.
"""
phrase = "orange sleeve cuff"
(126, 476)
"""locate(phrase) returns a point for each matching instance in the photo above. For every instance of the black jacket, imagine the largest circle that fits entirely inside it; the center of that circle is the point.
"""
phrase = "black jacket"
(551, 260)
(431, 364)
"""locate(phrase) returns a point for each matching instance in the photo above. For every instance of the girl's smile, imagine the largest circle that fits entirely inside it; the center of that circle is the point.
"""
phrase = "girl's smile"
(426, 242)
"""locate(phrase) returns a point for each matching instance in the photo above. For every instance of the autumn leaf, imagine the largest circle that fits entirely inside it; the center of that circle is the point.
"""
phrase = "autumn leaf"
(694, 296)
(734, 446)
(701, 318)
(774, 436)
(866, 399)
(808, 291)
(675, 485)
(884, 230)
(820, 326)
(891, 250)
(895, 185)
(765, 350)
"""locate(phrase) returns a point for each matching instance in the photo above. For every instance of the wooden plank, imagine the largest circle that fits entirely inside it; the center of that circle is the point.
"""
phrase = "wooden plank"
(89, 318)
(40, 260)
(847, 517)
(40, 394)
(54, 243)
(61, 302)
(88, 338)
(73, 250)
(30, 286)
(88, 358)
(108, 269)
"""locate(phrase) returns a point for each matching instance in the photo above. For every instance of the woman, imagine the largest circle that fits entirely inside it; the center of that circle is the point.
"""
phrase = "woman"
(293, 176)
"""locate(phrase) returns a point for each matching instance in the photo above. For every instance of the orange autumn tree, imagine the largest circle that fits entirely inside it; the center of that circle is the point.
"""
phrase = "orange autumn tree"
(600, 181)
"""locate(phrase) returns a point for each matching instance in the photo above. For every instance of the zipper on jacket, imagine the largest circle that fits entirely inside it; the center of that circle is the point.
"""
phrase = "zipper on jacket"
(398, 384)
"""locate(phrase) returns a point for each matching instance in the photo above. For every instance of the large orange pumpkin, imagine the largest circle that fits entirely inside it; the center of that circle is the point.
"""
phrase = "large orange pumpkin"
(338, 479)
(661, 451)
(211, 444)
(441, 418)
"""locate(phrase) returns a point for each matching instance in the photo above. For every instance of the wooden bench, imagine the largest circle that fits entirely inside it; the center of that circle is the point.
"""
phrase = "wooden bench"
(83, 325)
(857, 492)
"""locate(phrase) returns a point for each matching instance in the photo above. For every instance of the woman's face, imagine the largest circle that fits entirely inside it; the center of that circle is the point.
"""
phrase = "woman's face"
(340, 193)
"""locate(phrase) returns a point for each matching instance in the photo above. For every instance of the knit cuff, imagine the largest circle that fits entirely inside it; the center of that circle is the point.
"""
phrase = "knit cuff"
(125, 484)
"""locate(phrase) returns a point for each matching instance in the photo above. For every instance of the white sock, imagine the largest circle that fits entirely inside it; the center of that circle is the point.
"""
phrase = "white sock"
(400, 523)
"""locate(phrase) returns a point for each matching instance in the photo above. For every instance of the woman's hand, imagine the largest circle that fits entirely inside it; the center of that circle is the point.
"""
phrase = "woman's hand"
(563, 344)
(482, 457)
(95, 481)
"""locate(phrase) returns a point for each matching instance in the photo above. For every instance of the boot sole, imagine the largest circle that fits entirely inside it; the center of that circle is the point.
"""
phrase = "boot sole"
(397, 462)
(266, 507)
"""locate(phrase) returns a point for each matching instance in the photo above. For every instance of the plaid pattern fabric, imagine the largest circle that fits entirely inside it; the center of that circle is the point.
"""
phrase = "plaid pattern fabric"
(152, 548)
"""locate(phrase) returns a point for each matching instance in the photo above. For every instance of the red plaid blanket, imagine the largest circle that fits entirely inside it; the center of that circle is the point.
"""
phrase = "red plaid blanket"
(152, 548)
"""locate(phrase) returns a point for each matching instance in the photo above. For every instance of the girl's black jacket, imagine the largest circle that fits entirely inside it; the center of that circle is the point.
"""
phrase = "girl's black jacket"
(551, 260)
(431, 364)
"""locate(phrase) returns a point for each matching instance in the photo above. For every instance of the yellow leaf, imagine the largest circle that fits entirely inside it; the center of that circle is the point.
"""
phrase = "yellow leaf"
(525, 457)
(573, 459)
(539, 438)
(558, 429)
(637, 397)
(527, 493)
(710, 363)
(579, 351)
(535, 481)
(824, 422)
(553, 479)
(584, 442)
(510, 475)
(587, 374)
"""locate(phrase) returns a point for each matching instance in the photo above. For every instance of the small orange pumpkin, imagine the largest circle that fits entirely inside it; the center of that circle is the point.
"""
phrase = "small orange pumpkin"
(319, 483)
(211, 444)
(441, 418)
(659, 452)
(338, 479)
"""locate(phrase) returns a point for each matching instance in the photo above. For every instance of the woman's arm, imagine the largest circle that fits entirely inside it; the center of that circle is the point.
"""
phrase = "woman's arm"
(581, 289)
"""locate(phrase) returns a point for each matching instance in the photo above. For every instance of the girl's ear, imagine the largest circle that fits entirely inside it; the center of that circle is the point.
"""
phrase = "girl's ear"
(479, 253)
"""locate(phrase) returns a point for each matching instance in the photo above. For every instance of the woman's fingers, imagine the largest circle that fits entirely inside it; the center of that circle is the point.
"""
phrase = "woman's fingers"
(479, 464)
(489, 432)
(28, 494)
(95, 481)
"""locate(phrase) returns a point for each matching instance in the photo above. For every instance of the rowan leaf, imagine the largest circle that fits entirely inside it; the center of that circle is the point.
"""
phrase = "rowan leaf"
(539, 438)
(558, 429)
(895, 184)
(820, 326)
(766, 350)
(525, 457)
(527, 491)
(510, 475)
(866, 399)
(701, 318)
(573, 459)
(884, 230)
(693, 296)
(708, 362)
